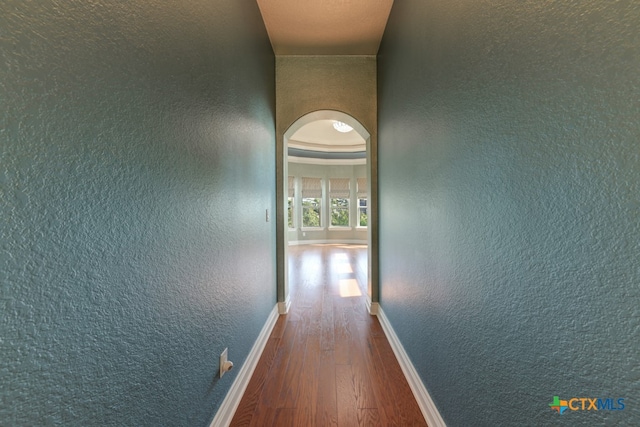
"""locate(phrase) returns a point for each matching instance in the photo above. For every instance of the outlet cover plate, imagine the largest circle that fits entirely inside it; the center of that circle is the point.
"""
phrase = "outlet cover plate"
(223, 361)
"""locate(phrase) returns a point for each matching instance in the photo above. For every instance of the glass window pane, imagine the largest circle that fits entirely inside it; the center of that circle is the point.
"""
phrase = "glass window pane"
(340, 212)
(311, 212)
(290, 212)
(362, 213)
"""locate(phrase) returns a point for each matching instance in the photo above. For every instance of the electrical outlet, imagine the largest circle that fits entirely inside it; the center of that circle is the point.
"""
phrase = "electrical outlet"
(223, 361)
(267, 215)
(225, 364)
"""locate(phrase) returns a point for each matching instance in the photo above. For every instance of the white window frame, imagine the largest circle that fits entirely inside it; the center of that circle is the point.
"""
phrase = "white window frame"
(291, 198)
(359, 209)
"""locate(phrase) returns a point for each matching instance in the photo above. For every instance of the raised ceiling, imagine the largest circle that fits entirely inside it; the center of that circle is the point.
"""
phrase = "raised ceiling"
(316, 135)
(319, 142)
(325, 27)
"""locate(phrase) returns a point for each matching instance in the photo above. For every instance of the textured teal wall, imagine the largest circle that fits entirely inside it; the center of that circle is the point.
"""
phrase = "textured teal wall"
(137, 149)
(509, 170)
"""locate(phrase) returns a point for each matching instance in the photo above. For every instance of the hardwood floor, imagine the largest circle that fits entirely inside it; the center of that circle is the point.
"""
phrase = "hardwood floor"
(328, 362)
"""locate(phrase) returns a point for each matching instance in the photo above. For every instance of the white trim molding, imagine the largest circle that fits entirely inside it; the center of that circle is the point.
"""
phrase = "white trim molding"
(327, 242)
(372, 307)
(232, 399)
(283, 307)
(331, 162)
(428, 408)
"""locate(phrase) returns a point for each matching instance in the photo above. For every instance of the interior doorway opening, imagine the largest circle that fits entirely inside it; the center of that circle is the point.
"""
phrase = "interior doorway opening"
(327, 191)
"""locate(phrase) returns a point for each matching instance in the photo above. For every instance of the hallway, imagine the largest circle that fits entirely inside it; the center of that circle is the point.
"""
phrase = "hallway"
(327, 362)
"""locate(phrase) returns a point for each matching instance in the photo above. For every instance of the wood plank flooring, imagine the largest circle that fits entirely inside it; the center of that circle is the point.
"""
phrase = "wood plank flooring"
(328, 362)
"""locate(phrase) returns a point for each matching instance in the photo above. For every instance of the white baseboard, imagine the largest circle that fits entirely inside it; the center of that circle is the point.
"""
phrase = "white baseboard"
(327, 242)
(283, 307)
(372, 307)
(428, 408)
(232, 400)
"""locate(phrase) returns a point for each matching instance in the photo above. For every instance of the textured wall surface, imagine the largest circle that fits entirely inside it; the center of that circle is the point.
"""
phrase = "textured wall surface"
(137, 149)
(509, 170)
(310, 83)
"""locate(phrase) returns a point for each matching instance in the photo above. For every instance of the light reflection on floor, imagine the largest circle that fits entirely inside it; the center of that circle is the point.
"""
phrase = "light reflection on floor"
(349, 288)
(340, 267)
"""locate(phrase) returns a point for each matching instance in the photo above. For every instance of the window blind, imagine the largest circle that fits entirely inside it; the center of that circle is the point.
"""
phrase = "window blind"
(362, 188)
(311, 188)
(291, 187)
(339, 188)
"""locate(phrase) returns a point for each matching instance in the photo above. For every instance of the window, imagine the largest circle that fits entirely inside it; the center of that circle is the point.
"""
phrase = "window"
(291, 202)
(290, 205)
(363, 213)
(311, 202)
(339, 194)
(311, 211)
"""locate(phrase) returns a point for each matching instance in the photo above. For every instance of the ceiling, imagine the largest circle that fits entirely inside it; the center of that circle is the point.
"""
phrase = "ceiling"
(316, 135)
(319, 142)
(325, 27)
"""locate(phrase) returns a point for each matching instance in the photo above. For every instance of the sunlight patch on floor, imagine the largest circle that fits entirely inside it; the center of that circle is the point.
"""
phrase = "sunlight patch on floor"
(349, 288)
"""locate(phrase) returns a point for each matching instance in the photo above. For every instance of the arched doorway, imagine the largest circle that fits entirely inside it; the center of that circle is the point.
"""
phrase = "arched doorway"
(282, 204)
